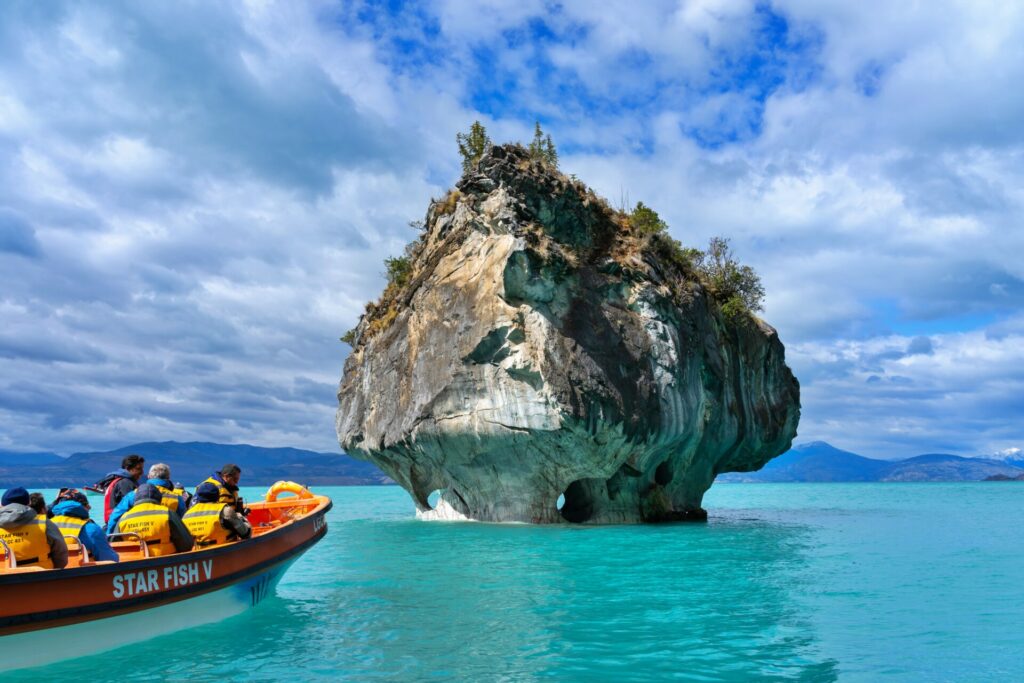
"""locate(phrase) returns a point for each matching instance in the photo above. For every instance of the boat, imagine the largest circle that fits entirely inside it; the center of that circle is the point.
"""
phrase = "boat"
(48, 615)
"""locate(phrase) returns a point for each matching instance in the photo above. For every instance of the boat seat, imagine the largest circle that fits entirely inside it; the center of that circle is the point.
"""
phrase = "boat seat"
(78, 556)
(6, 555)
(129, 547)
(129, 550)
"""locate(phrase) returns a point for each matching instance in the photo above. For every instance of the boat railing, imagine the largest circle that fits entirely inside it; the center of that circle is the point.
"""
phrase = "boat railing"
(81, 547)
(12, 561)
(130, 535)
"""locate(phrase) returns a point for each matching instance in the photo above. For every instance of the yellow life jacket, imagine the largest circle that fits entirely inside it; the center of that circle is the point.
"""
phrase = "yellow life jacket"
(152, 522)
(68, 525)
(203, 521)
(168, 498)
(227, 496)
(28, 543)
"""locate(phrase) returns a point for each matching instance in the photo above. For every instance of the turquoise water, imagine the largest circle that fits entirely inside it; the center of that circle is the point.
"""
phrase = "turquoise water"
(815, 582)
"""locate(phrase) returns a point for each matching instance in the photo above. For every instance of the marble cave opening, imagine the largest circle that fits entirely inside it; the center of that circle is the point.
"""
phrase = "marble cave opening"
(578, 506)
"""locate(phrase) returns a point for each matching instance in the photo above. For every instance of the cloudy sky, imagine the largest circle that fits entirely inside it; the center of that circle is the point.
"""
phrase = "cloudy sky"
(196, 198)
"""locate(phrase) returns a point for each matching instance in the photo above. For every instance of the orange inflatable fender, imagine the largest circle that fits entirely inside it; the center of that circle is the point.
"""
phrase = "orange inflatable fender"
(287, 487)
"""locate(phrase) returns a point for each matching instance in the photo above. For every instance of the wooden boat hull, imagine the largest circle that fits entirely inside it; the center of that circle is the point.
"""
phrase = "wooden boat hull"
(93, 608)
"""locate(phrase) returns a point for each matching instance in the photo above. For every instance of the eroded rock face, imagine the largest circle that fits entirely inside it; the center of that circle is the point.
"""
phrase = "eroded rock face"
(543, 348)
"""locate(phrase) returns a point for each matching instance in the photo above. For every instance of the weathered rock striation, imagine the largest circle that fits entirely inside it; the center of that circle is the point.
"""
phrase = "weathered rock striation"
(543, 347)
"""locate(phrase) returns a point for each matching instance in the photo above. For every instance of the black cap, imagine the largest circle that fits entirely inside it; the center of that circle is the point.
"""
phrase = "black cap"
(147, 492)
(207, 493)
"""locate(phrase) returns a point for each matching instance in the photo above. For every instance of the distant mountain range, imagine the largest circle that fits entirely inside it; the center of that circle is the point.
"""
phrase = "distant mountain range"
(191, 463)
(821, 462)
(12, 458)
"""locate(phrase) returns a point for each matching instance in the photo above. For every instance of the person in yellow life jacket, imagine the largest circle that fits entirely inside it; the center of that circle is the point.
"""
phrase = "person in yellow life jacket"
(160, 477)
(212, 522)
(161, 529)
(71, 516)
(34, 540)
(225, 483)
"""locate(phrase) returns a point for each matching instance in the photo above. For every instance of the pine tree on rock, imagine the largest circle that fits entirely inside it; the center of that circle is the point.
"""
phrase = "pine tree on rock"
(542, 148)
(472, 145)
(550, 153)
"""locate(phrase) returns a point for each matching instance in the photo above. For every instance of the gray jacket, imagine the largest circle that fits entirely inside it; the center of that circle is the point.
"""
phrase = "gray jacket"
(181, 537)
(234, 522)
(14, 515)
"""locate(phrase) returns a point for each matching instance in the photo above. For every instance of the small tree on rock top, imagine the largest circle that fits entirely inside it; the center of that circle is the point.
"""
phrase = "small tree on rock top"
(399, 270)
(646, 220)
(738, 287)
(472, 145)
(542, 148)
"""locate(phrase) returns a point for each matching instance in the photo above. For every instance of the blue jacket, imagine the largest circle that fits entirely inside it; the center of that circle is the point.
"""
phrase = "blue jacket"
(91, 535)
(129, 500)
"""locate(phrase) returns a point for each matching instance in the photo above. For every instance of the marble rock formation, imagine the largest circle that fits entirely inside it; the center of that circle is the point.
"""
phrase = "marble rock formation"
(541, 346)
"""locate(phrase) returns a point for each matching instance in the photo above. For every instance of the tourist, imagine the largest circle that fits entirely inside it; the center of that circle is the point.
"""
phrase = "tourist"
(159, 528)
(116, 485)
(34, 540)
(179, 490)
(71, 516)
(37, 502)
(225, 483)
(159, 477)
(212, 522)
(49, 508)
